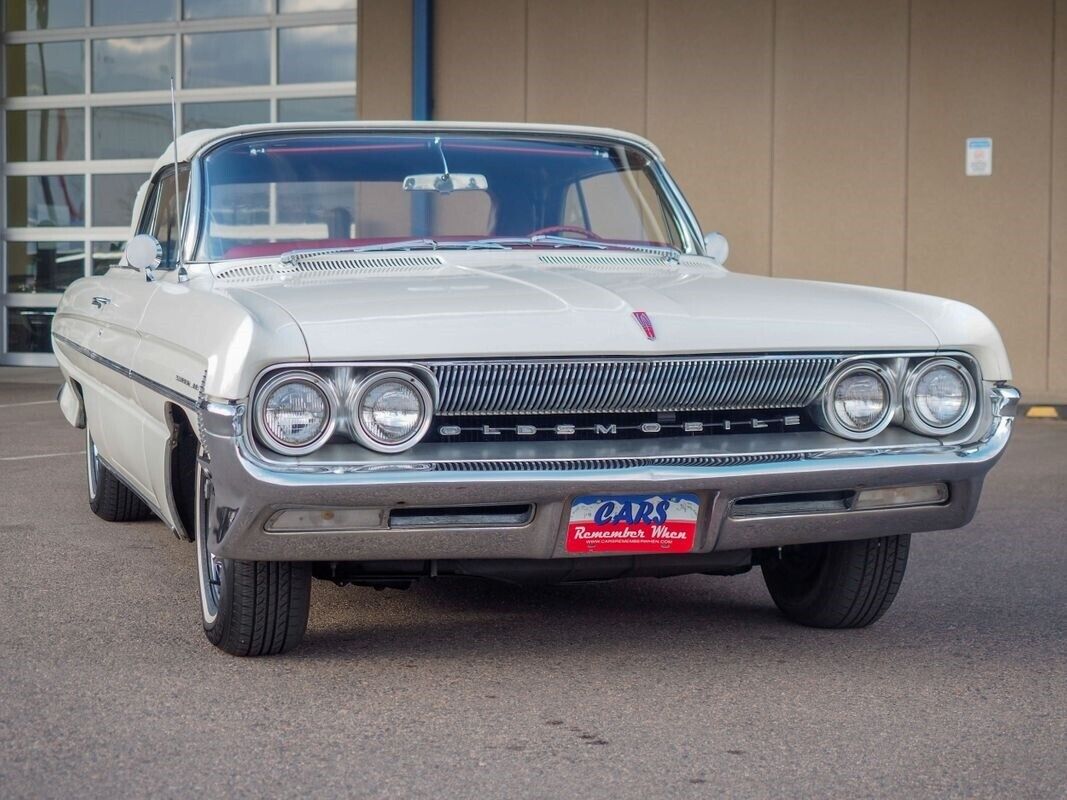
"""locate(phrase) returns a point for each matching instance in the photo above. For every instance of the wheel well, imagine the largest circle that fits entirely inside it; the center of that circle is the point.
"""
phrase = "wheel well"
(181, 470)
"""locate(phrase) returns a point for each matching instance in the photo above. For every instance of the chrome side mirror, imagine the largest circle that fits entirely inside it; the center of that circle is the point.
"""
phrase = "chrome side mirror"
(144, 253)
(716, 247)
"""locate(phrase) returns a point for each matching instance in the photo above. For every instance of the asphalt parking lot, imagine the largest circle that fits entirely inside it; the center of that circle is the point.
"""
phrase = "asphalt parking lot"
(683, 687)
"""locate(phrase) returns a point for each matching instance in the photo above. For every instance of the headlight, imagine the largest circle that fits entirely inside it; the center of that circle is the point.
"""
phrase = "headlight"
(859, 401)
(939, 397)
(390, 411)
(294, 412)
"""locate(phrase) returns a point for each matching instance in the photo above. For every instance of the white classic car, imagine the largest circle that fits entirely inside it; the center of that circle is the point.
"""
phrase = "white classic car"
(371, 353)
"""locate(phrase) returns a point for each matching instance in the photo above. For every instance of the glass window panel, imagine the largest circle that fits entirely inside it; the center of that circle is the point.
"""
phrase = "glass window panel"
(44, 266)
(45, 68)
(203, 9)
(29, 330)
(54, 134)
(113, 198)
(105, 255)
(32, 15)
(316, 54)
(127, 12)
(317, 109)
(45, 201)
(222, 115)
(292, 6)
(130, 65)
(131, 131)
(231, 58)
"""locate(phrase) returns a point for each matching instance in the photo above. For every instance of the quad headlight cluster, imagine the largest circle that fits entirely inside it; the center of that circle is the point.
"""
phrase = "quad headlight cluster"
(297, 411)
(935, 397)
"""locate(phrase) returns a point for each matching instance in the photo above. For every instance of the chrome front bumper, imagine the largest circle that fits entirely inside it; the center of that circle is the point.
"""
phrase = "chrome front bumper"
(246, 492)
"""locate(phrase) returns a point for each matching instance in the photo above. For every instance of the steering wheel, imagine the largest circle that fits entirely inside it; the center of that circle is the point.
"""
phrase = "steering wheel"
(585, 233)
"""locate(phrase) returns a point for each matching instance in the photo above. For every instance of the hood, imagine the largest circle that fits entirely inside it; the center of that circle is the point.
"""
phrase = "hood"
(478, 304)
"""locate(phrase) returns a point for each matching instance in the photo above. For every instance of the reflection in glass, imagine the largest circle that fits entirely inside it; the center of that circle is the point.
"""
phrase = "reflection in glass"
(317, 109)
(127, 12)
(133, 64)
(131, 131)
(203, 9)
(231, 58)
(316, 54)
(32, 15)
(105, 255)
(290, 6)
(113, 197)
(29, 330)
(222, 115)
(45, 68)
(45, 201)
(44, 266)
(53, 134)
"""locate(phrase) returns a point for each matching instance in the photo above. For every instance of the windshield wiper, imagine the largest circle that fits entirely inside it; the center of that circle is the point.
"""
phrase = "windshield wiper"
(408, 244)
(669, 253)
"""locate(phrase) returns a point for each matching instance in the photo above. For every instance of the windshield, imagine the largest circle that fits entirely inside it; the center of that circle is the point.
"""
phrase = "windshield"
(267, 195)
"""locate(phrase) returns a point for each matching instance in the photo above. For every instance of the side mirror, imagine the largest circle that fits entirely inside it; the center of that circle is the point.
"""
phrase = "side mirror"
(716, 246)
(144, 253)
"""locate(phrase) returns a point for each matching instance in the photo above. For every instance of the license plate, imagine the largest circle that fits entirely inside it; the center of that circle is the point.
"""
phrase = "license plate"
(631, 523)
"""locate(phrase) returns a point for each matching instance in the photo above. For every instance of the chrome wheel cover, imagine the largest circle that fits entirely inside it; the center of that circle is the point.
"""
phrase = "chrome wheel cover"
(92, 464)
(208, 567)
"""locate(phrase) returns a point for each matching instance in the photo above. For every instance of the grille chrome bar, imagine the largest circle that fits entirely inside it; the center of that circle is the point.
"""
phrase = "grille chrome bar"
(704, 383)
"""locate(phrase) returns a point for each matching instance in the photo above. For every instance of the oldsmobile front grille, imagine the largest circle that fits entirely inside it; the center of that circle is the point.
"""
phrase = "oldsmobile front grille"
(630, 385)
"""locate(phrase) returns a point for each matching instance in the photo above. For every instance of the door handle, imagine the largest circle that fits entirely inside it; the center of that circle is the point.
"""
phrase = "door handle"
(100, 302)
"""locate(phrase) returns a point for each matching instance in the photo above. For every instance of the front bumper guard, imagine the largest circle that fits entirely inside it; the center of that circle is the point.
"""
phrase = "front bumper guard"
(245, 492)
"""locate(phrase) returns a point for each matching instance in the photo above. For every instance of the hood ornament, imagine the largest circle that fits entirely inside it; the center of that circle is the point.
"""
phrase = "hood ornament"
(643, 320)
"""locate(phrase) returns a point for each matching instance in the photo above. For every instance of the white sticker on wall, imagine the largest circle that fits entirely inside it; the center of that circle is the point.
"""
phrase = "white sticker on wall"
(980, 156)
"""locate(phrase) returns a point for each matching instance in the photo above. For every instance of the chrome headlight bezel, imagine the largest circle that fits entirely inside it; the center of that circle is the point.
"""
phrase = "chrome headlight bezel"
(831, 422)
(294, 376)
(913, 419)
(370, 381)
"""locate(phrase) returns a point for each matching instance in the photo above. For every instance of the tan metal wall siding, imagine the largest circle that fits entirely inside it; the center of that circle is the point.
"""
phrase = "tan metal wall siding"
(825, 138)
(586, 62)
(1057, 365)
(984, 240)
(384, 59)
(480, 60)
(709, 109)
(840, 89)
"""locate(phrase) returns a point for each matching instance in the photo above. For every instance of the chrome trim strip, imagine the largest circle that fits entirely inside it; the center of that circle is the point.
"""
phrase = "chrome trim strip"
(148, 383)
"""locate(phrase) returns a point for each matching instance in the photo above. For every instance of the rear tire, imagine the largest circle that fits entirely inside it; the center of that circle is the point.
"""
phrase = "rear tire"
(249, 608)
(837, 584)
(110, 498)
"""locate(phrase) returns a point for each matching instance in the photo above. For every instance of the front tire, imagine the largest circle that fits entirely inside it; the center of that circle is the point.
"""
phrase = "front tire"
(110, 498)
(837, 584)
(249, 608)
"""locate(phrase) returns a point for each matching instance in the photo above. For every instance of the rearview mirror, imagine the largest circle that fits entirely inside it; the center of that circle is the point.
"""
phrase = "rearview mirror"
(143, 252)
(716, 247)
(446, 183)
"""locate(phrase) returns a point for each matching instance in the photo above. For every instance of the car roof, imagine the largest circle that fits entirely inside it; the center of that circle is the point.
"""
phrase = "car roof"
(189, 144)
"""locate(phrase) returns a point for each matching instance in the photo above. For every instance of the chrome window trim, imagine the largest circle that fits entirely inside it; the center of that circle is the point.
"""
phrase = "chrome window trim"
(688, 225)
(913, 419)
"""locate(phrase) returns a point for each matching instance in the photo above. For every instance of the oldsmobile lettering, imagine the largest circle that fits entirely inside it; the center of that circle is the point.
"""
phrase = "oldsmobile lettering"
(505, 351)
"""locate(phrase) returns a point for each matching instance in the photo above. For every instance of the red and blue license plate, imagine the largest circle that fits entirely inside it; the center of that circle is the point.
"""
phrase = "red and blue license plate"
(630, 523)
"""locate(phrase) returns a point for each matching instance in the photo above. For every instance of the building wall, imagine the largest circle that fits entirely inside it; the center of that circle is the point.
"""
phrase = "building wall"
(825, 138)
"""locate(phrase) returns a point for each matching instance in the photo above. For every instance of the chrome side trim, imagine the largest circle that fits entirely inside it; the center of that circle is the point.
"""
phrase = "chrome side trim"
(148, 383)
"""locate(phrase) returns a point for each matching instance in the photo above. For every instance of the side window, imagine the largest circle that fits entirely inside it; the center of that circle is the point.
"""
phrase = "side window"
(159, 219)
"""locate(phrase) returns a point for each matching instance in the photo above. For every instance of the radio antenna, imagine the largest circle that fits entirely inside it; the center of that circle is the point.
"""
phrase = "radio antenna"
(183, 274)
